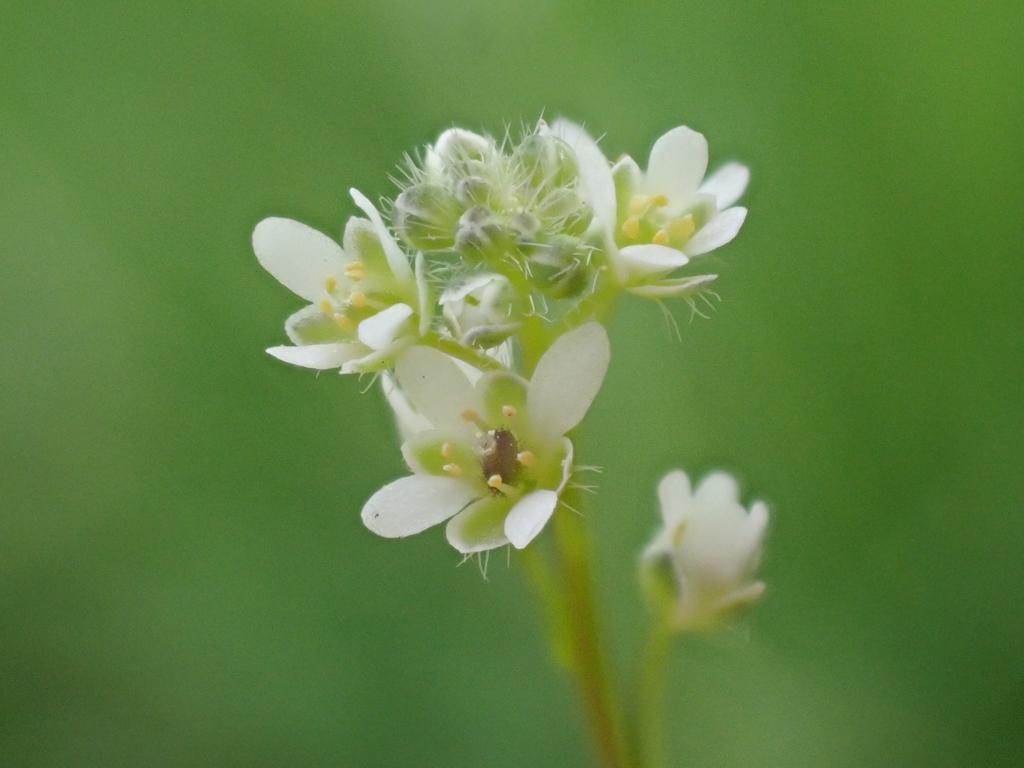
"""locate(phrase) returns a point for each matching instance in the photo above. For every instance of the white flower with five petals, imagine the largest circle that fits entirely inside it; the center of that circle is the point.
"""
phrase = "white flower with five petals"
(712, 544)
(653, 222)
(496, 457)
(367, 302)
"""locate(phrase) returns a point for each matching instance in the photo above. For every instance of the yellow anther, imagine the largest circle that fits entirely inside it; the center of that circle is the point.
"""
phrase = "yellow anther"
(660, 237)
(526, 458)
(343, 321)
(682, 227)
(631, 227)
(638, 204)
(357, 299)
(508, 411)
(659, 200)
(470, 415)
(354, 270)
(495, 481)
(453, 469)
(331, 283)
(446, 450)
(326, 307)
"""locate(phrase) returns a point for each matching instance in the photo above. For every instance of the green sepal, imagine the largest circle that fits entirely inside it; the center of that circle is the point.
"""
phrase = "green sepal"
(498, 389)
(429, 452)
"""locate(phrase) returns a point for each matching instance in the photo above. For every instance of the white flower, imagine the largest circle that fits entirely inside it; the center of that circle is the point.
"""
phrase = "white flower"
(495, 458)
(712, 544)
(653, 222)
(367, 304)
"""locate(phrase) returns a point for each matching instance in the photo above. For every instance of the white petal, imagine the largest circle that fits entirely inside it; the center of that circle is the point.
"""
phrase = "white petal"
(379, 330)
(319, 356)
(502, 353)
(413, 504)
(717, 232)
(310, 325)
(409, 421)
(677, 164)
(567, 379)
(595, 171)
(718, 489)
(628, 181)
(479, 527)
(396, 259)
(378, 360)
(459, 291)
(567, 456)
(651, 259)
(740, 598)
(529, 516)
(459, 144)
(435, 386)
(674, 496)
(298, 256)
(627, 174)
(755, 525)
(727, 184)
(679, 286)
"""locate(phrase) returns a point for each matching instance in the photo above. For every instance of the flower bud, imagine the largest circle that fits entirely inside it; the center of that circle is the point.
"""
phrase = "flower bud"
(697, 570)
(559, 266)
(546, 162)
(563, 211)
(525, 227)
(480, 232)
(463, 153)
(425, 215)
(472, 190)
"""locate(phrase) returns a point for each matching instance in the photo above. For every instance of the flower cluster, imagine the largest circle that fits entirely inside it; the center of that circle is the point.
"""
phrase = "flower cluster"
(477, 295)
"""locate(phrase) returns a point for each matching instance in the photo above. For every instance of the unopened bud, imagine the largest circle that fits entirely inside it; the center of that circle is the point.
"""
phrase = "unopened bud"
(547, 162)
(479, 231)
(471, 191)
(462, 153)
(425, 216)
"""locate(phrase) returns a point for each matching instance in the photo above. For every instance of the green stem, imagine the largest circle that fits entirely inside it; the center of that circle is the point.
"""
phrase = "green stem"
(469, 355)
(650, 701)
(546, 588)
(584, 641)
(596, 305)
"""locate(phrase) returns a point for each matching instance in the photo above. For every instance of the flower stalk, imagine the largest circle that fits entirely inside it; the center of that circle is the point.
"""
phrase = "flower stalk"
(649, 724)
(588, 660)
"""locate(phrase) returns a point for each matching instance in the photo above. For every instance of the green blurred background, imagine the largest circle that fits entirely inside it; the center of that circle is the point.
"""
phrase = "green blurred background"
(184, 579)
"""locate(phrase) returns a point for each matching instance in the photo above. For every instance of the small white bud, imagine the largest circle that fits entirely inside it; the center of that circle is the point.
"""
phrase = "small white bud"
(711, 544)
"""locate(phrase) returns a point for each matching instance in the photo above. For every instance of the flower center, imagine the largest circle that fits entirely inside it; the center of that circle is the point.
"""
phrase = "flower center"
(499, 456)
(345, 304)
(498, 450)
(649, 223)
